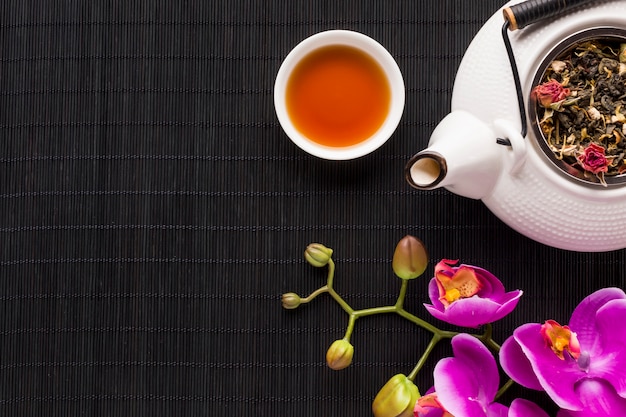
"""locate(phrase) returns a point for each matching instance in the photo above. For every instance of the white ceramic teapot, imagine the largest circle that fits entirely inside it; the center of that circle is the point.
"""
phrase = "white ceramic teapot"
(519, 183)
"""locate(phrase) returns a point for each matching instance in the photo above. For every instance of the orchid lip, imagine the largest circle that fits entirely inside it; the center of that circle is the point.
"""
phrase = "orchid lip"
(560, 339)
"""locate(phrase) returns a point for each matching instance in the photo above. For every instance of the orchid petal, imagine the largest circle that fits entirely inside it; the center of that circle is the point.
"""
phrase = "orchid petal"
(517, 366)
(497, 410)
(609, 365)
(524, 408)
(456, 388)
(467, 382)
(474, 311)
(582, 323)
(509, 302)
(433, 294)
(428, 412)
(492, 286)
(556, 376)
(469, 312)
(471, 351)
(428, 406)
(599, 399)
(446, 266)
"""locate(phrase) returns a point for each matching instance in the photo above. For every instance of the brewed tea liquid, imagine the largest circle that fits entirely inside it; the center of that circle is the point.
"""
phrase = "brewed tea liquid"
(338, 96)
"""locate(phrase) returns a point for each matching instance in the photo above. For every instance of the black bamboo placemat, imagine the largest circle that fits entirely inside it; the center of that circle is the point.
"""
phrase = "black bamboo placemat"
(152, 212)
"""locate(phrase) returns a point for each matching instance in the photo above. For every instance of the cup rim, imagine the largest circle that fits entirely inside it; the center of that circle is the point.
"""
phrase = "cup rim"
(374, 50)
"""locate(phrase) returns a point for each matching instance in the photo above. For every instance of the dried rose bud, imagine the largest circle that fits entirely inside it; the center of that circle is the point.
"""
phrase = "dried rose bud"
(593, 159)
(339, 354)
(550, 92)
(410, 258)
(396, 398)
(317, 254)
(290, 300)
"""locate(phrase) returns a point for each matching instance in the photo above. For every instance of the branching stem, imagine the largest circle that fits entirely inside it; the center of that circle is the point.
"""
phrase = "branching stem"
(398, 308)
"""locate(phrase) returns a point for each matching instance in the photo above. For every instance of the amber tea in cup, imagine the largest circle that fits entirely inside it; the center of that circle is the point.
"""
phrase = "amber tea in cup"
(339, 95)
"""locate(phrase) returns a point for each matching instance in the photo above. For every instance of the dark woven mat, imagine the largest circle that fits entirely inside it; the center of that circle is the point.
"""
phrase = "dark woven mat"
(152, 211)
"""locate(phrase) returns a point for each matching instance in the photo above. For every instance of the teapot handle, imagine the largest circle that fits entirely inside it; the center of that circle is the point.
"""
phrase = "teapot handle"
(517, 142)
(523, 14)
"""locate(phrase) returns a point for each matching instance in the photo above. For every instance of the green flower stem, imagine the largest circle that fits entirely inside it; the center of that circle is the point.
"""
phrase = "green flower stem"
(355, 314)
(433, 342)
(314, 294)
(402, 294)
(443, 334)
(439, 334)
(331, 273)
(398, 308)
(346, 307)
(503, 389)
(487, 339)
(329, 284)
(350, 328)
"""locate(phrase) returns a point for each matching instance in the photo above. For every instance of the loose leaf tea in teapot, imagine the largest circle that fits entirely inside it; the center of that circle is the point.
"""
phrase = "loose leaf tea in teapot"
(581, 107)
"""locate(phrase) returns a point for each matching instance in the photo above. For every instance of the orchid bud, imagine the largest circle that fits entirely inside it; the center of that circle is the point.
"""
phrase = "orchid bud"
(290, 300)
(339, 354)
(317, 254)
(410, 258)
(396, 398)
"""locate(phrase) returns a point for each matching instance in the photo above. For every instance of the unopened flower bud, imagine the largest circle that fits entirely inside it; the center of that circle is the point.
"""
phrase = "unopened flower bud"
(396, 398)
(410, 258)
(317, 254)
(290, 300)
(339, 354)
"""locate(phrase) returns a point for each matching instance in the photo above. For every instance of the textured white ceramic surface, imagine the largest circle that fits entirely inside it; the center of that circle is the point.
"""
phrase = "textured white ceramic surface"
(538, 200)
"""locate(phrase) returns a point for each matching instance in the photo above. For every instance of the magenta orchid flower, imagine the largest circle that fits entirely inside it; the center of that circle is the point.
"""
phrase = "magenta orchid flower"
(581, 365)
(466, 386)
(468, 296)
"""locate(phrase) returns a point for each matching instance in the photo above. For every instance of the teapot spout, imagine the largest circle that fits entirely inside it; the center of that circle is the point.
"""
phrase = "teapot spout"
(429, 170)
(426, 170)
(465, 156)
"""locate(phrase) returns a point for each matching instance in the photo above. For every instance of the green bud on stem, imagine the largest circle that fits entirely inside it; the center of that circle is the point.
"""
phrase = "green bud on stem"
(317, 254)
(396, 398)
(339, 354)
(290, 300)
(410, 258)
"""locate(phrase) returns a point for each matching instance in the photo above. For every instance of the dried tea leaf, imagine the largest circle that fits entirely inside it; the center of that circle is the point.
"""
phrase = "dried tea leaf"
(591, 116)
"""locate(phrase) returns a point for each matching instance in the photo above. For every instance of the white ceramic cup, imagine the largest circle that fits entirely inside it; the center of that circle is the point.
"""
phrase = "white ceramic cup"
(375, 51)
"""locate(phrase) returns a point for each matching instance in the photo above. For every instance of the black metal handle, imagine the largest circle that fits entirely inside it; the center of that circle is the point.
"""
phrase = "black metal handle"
(523, 14)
